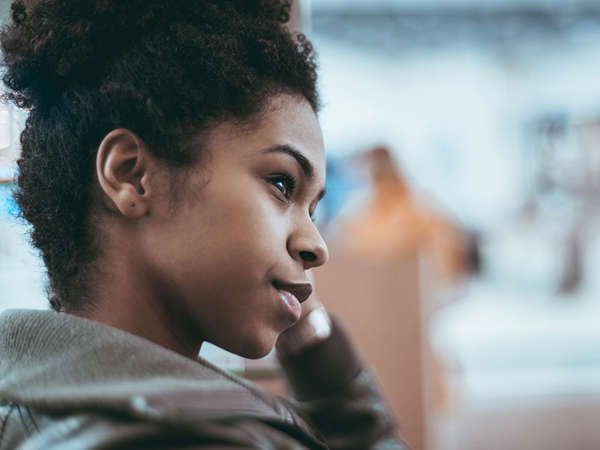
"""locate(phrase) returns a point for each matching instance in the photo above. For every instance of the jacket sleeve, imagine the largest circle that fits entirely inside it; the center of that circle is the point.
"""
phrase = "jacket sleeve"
(338, 395)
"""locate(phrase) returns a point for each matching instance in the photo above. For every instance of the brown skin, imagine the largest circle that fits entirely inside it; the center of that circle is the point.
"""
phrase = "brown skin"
(200, 266)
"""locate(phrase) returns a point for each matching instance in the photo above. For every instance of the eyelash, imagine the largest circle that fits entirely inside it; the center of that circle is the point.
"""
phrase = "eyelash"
(290, 183)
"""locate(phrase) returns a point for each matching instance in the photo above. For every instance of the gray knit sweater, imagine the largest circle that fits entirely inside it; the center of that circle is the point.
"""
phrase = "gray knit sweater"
(68, 382)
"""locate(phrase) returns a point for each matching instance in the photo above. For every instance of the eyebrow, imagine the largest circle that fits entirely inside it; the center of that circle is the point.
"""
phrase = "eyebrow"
(305, 164)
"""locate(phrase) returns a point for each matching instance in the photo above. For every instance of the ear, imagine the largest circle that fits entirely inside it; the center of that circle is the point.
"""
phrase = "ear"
(122, 168)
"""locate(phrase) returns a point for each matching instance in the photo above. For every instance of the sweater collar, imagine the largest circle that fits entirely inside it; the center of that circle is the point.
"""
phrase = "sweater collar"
(58, 362)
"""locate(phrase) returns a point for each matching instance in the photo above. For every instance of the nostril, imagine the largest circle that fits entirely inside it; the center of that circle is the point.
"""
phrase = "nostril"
(308, 256)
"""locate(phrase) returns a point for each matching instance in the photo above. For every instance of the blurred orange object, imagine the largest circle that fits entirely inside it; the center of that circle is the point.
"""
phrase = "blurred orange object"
(394, 222)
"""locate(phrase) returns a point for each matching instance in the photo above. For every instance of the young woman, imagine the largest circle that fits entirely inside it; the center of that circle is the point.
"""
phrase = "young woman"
(171, 162)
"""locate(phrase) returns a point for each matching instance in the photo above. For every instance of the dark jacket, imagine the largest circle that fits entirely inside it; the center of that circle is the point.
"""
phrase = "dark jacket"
(71, 383)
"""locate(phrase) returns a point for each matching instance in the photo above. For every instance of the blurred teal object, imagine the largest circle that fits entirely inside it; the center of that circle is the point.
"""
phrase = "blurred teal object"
(8, 206)
(341, 183)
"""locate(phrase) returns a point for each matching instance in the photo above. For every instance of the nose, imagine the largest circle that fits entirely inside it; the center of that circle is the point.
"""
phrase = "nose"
(307, 246)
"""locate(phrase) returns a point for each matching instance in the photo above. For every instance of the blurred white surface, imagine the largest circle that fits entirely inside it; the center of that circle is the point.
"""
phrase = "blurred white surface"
(522, 363)
(362, 5)
(454, 116)
(22, 274)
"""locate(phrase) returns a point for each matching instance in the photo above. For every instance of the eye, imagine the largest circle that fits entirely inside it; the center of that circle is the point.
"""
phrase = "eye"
(284, 184)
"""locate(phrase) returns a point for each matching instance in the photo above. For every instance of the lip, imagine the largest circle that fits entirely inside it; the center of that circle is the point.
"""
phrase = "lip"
(299, 290)
(292, 304)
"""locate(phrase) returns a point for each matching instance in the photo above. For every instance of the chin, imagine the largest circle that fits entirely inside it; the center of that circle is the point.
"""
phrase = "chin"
(255, 348)
(257, 352)
(251, 344)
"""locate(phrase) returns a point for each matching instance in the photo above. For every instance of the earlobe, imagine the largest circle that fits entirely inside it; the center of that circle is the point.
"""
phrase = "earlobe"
(122, 172)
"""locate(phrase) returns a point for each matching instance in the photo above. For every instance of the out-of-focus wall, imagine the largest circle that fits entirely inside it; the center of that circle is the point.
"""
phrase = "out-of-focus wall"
(491, 109)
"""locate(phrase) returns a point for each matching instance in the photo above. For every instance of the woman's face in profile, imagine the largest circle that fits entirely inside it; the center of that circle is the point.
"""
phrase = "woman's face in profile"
(241, 228)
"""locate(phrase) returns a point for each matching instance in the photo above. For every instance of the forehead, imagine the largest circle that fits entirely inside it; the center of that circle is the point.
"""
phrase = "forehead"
(287, 121)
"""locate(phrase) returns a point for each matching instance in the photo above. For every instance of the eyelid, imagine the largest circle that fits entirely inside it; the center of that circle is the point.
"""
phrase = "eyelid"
(292, 189)
(288, 179)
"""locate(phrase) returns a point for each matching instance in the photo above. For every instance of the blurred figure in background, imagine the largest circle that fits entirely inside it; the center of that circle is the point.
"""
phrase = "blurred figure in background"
(374, 281)
(393, 221)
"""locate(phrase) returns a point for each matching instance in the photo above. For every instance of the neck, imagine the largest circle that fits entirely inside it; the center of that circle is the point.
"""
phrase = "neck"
(126, 297)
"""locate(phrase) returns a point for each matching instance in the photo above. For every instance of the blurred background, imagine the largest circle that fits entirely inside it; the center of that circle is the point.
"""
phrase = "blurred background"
(463, 142)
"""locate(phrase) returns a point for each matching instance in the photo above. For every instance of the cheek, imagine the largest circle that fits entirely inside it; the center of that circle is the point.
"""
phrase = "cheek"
(234, 227)
(249, 220)
(233, 235)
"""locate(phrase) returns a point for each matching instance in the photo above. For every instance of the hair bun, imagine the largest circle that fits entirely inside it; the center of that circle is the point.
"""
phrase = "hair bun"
(48, 44)
(276, 10)
(18, 13)
(53, 44)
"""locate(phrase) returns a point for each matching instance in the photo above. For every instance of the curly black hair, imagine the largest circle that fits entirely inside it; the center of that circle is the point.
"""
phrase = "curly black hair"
(164, 69)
